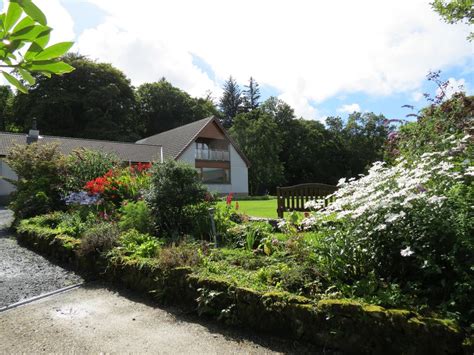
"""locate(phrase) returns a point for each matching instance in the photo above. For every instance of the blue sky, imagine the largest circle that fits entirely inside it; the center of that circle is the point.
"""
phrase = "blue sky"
(323, 58)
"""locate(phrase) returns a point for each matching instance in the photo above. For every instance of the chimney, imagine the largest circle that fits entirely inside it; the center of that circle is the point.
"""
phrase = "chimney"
(33, 134)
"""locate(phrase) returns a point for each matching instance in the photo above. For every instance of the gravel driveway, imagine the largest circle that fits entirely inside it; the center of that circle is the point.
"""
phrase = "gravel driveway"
(23, 273)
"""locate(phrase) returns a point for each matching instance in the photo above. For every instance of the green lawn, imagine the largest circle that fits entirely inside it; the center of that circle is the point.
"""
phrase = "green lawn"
(257, 208)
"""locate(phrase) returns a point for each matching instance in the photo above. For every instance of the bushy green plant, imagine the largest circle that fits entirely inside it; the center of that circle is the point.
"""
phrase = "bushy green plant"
(174, 187)
(136, 215)
(410, 224)
(40, 170)
(75, 223)
(184, 254)
(99, 239)
(249, 235)
(84, 165)
(136, 244)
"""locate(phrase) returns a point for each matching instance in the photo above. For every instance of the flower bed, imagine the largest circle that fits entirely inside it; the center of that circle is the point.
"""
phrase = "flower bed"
(334, 323)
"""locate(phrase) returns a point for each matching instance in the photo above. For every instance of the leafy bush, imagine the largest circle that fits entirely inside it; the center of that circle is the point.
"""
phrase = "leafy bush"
(185, 254)
(411, 225)
(118, 185)
(136, 215)
(174, 187)
(434, 124)
(84, 165)
(40, 169)
(75, 223)
(136, 244)
(99, 239)
(249, 236)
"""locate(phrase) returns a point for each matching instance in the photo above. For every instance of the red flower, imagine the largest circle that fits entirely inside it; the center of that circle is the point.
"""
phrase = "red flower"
(228, 200)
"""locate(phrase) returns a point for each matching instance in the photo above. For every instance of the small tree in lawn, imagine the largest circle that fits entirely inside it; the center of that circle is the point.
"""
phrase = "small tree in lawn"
(174, 186)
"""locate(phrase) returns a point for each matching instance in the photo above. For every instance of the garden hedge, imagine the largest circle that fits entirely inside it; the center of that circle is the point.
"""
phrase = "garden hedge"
(333, 323)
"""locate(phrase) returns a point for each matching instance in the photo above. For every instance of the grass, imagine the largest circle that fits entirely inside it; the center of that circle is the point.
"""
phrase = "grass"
(257, 208)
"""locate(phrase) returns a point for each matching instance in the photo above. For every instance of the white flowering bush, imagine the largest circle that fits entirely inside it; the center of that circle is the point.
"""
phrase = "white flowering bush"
(410, 224)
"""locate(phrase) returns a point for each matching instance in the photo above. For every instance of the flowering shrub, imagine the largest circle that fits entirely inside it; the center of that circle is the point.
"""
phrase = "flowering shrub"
(410, 224)
(118, 185)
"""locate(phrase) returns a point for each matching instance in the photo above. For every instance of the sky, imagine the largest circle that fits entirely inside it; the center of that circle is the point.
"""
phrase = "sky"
(324, 58)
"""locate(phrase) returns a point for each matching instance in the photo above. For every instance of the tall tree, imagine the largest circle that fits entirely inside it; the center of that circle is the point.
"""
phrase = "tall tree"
(258, 136)
(251, 95)
(94, 101)
(230, 103)
(6, 97)
(161, 107)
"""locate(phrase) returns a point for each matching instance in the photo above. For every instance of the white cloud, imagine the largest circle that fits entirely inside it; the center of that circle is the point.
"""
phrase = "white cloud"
(417, 96)
(307, 50)
(349, 108)
(453, 87)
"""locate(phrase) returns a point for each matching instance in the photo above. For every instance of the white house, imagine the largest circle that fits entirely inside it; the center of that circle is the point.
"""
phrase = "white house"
(204, 144)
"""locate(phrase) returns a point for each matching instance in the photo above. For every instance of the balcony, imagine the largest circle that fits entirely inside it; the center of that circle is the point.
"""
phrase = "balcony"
(212, 154)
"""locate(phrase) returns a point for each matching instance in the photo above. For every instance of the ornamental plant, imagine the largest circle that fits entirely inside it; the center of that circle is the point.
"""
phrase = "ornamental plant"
(119, 185)
(409, 225)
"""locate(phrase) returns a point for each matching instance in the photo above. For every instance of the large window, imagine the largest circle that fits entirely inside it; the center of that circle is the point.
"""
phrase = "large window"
(214, 175)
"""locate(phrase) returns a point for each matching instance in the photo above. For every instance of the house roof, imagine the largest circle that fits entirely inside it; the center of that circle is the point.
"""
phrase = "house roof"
(177, 140)
(124, 151)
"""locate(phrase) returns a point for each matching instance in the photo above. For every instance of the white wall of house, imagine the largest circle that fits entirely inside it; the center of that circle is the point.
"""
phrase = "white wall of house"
(5, 187)
(238, 172)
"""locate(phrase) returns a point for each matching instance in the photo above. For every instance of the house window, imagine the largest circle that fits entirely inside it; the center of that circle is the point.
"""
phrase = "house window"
(214, 175)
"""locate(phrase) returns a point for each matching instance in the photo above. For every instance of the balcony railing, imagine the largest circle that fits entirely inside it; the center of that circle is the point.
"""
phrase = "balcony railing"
(212, 154)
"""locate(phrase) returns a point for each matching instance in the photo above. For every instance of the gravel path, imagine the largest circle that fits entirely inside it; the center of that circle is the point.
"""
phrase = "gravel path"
(94, 319)
(23, 273)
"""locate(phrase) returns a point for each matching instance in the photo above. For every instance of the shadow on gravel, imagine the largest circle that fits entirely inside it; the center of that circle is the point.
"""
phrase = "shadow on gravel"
(238, 334)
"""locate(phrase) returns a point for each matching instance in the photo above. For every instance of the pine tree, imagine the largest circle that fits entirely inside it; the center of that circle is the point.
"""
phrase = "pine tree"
(231, 101)
(251, 95)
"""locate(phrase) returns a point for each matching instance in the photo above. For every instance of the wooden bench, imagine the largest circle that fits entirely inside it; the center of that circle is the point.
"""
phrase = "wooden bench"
(293, 198)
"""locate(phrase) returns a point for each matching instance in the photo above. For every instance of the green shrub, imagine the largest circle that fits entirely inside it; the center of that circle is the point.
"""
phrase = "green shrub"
(99, 239)
(410, 225)
(136, 244)
(174, 187)
(84, 165)
(40, 170)
(136, 215)
(75, 223)
(185, 254)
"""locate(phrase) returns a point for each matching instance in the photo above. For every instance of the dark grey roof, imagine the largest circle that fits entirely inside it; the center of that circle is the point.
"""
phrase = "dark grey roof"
(125, 151)
(176, 140)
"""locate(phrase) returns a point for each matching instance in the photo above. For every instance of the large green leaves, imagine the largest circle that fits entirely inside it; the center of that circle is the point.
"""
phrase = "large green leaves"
(54, 51)
(15, 82)
(25, 24)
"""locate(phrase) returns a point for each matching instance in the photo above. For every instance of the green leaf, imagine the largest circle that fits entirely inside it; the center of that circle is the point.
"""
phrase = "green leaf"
(13, 14)
(27, 22)
(15, 82)
(32, 51)
(31, 35)
(51, 67)
(54, 51)
(27, 76)
(43, 38)
(33, 11)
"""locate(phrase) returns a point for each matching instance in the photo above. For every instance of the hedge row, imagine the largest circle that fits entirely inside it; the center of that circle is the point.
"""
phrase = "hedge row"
(337, 324)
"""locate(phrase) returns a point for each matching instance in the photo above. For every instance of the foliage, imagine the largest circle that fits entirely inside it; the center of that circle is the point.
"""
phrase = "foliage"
(185, 254)
(434, 125)
(84, 165)
(174, 187)
(230, 103)
(162, 107)
(259, 138)
(120, 184)
(137, 216)
(95, 101)
(251, 95)
(410, 225)
(141, 245)
(454, 11)
(40, 168)
(6, 99)
(99, 239)
(24, 24)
